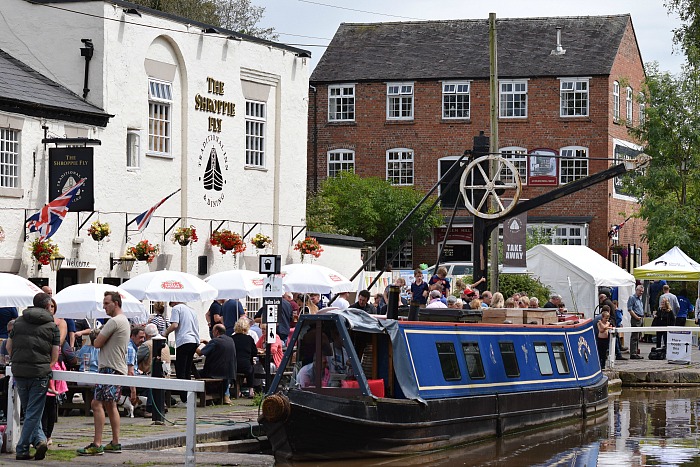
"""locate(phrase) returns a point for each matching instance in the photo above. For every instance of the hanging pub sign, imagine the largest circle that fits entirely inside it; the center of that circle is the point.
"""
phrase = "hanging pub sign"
(542, 168)
(66, 167)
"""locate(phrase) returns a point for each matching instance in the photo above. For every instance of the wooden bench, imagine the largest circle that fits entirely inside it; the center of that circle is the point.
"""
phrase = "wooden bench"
(87, 393)
(213, 391)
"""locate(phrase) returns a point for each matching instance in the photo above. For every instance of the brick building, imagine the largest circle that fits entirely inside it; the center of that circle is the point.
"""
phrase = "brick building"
(404, 100)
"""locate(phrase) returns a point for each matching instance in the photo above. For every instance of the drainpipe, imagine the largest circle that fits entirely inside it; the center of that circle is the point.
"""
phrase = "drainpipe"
(86, 52)
(314, 139)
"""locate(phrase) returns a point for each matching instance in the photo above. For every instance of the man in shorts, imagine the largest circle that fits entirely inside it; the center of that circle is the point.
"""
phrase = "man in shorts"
(112, 341)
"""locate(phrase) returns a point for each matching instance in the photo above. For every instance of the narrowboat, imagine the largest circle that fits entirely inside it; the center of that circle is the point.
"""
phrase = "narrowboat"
(354, 385)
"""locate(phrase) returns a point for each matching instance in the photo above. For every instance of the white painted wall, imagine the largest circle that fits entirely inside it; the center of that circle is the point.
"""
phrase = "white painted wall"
(48, 39)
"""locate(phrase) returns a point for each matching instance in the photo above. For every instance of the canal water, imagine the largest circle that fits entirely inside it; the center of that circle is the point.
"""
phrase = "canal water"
(643, 427)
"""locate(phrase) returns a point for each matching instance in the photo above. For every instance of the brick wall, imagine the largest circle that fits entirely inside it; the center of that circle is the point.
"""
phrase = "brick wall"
(432, 138)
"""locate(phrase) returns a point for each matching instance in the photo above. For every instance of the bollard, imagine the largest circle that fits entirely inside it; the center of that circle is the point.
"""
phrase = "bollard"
(392, 307)
(157, 372)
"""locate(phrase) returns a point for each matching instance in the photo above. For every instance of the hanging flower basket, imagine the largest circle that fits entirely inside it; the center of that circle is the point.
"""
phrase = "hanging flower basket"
(143, 251)
(261, 241)
(43, 250)
(308, 246)
(227, 241)
(99, 230)
(620, 250)
(184, 235)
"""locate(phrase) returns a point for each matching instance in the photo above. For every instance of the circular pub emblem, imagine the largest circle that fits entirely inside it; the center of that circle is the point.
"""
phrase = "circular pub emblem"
(172, 285)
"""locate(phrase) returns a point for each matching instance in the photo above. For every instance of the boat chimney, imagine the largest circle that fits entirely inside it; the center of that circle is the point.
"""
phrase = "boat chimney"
(559, 50)
(392, 307)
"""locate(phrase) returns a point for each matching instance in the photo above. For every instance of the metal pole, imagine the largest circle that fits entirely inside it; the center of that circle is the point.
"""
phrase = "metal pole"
(493, 146)
(191, 429)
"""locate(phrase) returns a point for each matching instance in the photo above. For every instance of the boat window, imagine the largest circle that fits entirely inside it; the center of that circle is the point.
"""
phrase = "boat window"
(543, 360)
(560, 357)
(448, 361)
(474, 364)
(510, 361)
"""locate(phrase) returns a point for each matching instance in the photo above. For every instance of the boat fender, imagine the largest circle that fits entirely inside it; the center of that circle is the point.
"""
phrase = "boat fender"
(276, 408)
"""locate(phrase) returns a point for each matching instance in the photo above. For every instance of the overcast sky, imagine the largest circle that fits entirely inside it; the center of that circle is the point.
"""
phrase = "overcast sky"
(310, 24)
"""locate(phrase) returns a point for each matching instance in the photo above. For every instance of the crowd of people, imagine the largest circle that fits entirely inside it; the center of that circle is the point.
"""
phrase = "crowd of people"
(36, 342)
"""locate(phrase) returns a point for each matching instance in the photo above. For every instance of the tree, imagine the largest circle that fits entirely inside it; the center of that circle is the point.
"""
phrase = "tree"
(688, 34)
(370, 208)
(242, 16)
(236, 15)
(669, 189)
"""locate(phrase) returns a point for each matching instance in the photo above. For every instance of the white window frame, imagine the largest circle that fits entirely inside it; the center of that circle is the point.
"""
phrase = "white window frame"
(642, 109)
(578, 88)
(518, 156)
(341, 103)
(616, 101)
(563, 234)
(507, 107)
(340, 160)
(160, 118)
(399, 101)
(133, 149)
(255, 133)
(10, 158)
(571, 160)
(398, 161)
(459, 93)
(628, 113)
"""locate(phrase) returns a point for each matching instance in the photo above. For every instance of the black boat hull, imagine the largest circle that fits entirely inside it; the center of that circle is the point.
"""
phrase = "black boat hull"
(325, 427)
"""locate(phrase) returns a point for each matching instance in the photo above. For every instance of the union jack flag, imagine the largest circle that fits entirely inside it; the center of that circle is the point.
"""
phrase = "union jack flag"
(144, 218)
(48, 220)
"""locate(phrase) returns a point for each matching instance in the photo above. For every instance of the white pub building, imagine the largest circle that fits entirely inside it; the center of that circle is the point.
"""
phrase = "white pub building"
(142, 103)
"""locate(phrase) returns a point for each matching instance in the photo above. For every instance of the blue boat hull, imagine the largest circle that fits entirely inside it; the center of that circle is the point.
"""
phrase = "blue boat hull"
(326, 427)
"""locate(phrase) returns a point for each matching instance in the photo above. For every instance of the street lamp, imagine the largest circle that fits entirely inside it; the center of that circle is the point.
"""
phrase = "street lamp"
(127, 262)
(56, 261)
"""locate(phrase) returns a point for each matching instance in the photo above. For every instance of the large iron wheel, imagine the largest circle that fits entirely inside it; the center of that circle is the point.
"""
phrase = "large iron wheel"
(482, 193)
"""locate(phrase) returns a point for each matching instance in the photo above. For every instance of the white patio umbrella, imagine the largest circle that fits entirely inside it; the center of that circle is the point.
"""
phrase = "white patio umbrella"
(85, 301)
(16, 291)
(169, 286)
(312, 278)
(237, 283)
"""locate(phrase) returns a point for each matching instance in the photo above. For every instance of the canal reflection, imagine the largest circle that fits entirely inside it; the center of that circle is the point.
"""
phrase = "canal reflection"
(642, 427)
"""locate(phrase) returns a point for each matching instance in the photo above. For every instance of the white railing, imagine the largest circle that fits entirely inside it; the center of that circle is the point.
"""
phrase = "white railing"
(641, 329)
(191, 386)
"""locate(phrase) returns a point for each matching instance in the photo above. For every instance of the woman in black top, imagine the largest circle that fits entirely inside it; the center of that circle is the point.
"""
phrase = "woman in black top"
(245, 351)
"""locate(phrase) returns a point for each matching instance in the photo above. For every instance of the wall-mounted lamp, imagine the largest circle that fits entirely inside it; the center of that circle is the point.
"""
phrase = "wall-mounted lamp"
(127, 262)
(56, 261)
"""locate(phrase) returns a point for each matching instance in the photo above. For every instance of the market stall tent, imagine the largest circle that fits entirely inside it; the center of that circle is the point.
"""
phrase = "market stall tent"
(554, 265)
(673, 265)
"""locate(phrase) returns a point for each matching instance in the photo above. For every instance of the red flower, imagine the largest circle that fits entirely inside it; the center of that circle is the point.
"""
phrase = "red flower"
(228, 241)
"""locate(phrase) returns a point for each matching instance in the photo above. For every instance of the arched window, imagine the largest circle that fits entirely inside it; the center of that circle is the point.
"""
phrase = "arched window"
(341, 160)
(399, 166)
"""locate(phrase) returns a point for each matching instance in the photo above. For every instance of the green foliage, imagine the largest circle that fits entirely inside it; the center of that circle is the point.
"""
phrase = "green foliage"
(236, 15)
(368, 207)
(258, 398)
(669, 189)
(508, 284)
(687, 36)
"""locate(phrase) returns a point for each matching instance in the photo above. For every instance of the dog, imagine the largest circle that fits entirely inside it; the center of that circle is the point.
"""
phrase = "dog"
(128, 407)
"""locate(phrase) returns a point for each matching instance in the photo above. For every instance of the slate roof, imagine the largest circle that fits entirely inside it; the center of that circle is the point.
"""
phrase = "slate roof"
(455, 49)
(25, 91)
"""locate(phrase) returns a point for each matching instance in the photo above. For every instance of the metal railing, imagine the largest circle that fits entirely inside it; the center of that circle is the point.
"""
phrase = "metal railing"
(190, 386)
(641, 329)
